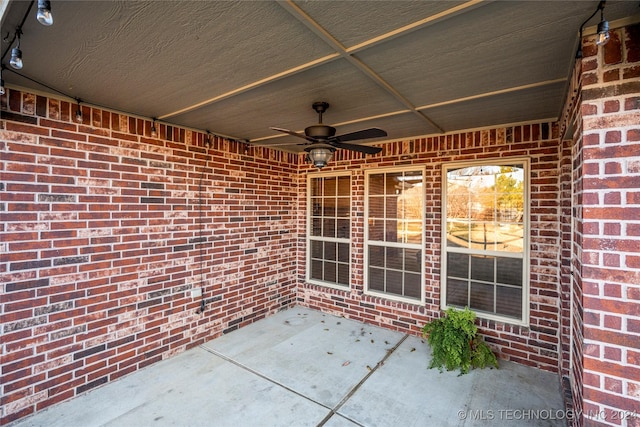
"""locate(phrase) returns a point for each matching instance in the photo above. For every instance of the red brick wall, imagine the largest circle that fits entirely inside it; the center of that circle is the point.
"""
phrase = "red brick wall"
(571, 222)
(103, 237)
(610, 240)
(535, 345)
(105, 230)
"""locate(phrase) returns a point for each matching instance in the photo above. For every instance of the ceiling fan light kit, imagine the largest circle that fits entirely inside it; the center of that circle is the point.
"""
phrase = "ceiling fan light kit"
(321, 141)
(320, 155)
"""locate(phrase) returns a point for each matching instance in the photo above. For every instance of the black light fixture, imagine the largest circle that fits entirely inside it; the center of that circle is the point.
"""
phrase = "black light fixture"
(16, 54)
(2, 91)
(44, 15)
(320, 154)
(602, 32)
(154, 131)
(78, 111)
(209, 141)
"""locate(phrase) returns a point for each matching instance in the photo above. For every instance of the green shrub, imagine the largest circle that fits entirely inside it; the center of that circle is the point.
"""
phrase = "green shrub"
(455, 344)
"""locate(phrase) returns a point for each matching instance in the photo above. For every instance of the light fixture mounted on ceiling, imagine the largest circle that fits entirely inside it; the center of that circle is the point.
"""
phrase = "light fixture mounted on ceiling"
(16, 53)
(321, 140)
(44, 15)
(319, 154)
(602, 36)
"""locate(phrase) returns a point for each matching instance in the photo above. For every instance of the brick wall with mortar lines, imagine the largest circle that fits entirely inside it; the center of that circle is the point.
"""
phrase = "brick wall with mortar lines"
(536, 345)
(571, 222)
(610, 263)
(104, 232)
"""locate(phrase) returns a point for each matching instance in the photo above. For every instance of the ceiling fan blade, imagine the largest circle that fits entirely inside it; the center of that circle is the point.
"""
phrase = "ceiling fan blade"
(361, 134)
(359, 148)
(290, 132)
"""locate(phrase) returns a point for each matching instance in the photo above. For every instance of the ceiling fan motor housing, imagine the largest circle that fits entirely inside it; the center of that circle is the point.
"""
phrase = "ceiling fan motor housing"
(320, 131)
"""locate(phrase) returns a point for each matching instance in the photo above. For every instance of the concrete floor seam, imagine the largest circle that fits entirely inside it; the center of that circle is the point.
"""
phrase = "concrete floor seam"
(360, 383)
(253, 371)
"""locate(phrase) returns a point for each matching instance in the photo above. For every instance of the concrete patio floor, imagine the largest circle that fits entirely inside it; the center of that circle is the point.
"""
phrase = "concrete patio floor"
(301, 367)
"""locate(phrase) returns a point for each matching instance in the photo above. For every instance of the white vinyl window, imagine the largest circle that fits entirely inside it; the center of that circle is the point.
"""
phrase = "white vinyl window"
(394, 233)
(329, 229)
(485, 262)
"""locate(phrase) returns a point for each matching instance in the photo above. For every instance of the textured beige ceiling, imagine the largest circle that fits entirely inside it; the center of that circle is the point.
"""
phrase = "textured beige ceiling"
(236, 68)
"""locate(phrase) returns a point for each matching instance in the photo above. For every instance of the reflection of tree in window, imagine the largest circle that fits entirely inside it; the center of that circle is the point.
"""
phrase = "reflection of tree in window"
(485, 207)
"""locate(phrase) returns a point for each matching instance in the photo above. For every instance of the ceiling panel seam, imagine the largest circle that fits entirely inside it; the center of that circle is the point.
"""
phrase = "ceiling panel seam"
(441, 16)
(493, 93)
(341, 51)
(256, 84)
(316, 28)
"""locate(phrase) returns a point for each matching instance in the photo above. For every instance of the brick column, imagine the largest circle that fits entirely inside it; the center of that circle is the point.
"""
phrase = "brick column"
(609, 260)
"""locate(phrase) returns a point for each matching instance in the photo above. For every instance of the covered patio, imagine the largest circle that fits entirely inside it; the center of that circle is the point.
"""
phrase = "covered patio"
(301, 367)
(178, 225)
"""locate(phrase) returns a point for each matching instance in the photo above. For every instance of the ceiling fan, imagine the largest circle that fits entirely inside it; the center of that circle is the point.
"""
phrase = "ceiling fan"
(322, 140)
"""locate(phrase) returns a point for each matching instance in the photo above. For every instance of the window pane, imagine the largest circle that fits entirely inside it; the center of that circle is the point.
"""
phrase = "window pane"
(376, 184)
(315, 187)
(343, 207)
(316, 227)
(343, 228)
(482, 268)
(394, 258)
(316, 269)
(376, 207)
(482, 237)
(394, 282)
(330, 272)
(343, 274)
(413, 260)
(483, 208)
(376, 279)
(316, 249)
(509, 301)
(391, 231)
(458, 265)
(376, 256)
(329, 207)
(391, 208)
(316, 206)
(344, 185)
(510, 237)
(343, 252)
(458, 201)
(509, 271)
(411, 231)
(376, 230)
(330, 251)
(394, 183)
(457, 234)
(329, 228)
(457, 292)
(412, 285)
(330, 186)
(481, 297)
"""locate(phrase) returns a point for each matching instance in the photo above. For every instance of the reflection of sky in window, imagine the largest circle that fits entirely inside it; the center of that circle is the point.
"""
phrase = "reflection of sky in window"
(483, 176)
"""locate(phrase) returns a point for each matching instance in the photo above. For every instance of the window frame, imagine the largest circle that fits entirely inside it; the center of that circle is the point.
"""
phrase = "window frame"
(310, 238)
(367, 242)
(526, 245)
